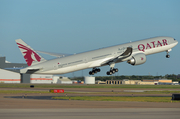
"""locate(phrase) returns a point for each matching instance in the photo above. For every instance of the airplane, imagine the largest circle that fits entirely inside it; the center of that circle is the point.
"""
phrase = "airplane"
(133, 52)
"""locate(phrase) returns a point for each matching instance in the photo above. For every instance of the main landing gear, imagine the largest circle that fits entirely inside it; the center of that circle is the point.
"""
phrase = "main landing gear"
(94, 71)
(112, 71)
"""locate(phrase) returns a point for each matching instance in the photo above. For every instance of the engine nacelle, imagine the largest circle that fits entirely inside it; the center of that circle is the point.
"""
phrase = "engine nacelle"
(137, 59)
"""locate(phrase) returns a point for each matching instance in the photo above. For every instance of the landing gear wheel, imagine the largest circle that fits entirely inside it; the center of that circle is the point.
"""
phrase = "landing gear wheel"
(94, 71)
(109, 73)
(90, 73)
(112, 71)
(167, 56)
(98, 70)
(116, 70)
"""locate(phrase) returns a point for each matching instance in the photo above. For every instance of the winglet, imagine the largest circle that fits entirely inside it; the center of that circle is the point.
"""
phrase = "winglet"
(29, 54)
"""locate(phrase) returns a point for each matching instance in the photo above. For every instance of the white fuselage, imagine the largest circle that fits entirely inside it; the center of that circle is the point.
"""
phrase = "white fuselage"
(96, 58)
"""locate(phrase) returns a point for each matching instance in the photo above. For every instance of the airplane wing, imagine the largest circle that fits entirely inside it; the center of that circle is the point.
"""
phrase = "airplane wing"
(124, 55)
(54, 54)
(113, 60)
(128, 52)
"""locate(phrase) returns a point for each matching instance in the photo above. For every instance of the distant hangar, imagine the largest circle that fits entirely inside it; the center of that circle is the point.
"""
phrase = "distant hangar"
(10, 73)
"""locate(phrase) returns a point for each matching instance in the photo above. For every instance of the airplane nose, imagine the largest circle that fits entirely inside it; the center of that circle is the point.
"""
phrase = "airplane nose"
(175, 41)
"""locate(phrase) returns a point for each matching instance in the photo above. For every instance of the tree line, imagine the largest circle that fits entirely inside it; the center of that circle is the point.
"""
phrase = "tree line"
(133, 77)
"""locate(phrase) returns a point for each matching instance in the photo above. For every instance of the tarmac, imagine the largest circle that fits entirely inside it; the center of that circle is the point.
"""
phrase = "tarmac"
(20, 108)
(100, 113)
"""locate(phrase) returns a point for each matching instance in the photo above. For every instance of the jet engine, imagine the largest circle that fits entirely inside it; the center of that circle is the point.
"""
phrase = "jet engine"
(137, 59)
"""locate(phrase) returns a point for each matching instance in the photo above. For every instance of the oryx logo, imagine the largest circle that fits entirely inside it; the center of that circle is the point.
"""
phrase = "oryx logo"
(29, 55)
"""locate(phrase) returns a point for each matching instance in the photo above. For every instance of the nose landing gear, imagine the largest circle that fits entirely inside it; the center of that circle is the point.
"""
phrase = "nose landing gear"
(167, 51)
(167, 56)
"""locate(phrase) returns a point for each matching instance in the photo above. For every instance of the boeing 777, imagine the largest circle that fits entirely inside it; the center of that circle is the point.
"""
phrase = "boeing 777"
(134, 53)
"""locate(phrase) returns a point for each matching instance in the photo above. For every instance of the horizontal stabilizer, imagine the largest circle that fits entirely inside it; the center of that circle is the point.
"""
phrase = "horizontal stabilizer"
(54, 54)
(29, 71)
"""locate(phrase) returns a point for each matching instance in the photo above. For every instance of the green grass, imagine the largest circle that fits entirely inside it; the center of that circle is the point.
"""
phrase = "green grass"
(146, 92)
(89, 86)
(160, 92)
(126, 99)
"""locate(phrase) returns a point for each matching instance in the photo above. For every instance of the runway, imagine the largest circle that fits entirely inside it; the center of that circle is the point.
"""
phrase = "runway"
(100, 113)
(20, 108)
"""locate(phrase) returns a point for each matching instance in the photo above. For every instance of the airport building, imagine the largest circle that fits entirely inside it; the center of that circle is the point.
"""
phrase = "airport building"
(10, 73)
(63, 80)
(100, 82)
(9, 76)
(113, 81)
(89, 80)
(140, 82)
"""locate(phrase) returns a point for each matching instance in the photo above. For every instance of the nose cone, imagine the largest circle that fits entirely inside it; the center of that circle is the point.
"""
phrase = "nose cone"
(176, 42)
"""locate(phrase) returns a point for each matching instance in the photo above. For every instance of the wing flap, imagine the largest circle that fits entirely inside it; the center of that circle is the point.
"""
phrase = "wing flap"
(99, 62)
(128, 52)
(124, 55)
